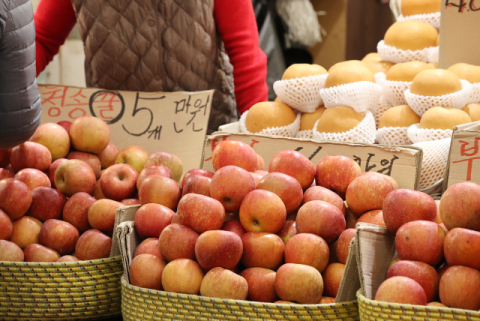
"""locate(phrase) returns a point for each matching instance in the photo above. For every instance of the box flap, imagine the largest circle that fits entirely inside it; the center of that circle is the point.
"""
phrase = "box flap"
(350, 283)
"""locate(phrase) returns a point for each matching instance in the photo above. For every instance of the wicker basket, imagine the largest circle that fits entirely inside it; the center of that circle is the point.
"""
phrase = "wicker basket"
(378, 311)
(143, 304)
(60, 291)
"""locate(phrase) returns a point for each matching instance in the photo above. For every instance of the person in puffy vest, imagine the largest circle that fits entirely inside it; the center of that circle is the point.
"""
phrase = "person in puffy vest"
(163, 45)
(20, 105)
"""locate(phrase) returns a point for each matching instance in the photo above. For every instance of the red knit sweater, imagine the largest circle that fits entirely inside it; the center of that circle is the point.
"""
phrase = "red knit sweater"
(54, 19)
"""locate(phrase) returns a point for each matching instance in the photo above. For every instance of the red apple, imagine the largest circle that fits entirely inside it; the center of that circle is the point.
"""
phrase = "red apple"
(59, 235)
(76, 209)
(15, 198)
(332, 277)
(160, 190)
(130, 201)
(67, 258)
(65, 124)
(200, 213)
(108, 155)
(374, 217)
(5, 157)
(26, 231)
(98, 193)
(30, 155)
(284, 186)
(148, 246)
(327, 300)
(224, 284)
(262, 250)
(33, 178)
(260, 163)
(461, 247)
(47, 203)
(6, 173)
(294, 164)
(151, 219)
(74, 176)
(403, 205)
(322, 219)
(235, 227)
(54, 137)
(233, 152)
(218, 249)
(40, 253)
(333, 252)
(460, 206)
(288, 230)
(157, 169)
(134, 156)
(197, 184)
(92, 245)
(52, 169)
(89, 134)
(343, 247)
(261, 172)
(459, 288)
(318, 193)
(308, 249)
(173, 162)
(146, 270)
(257, 177)
(6, 226)
(337, 172)
(177, 242)
(400, 289)
(118, 182)
(261, 284)
(196, 171)
(91, 159)
(182, 276)
(101, 214)
(10, 252)
(299, 283)
(262, 211)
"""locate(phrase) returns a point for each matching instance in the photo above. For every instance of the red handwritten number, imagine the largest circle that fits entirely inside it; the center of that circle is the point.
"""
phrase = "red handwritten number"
(57, 112)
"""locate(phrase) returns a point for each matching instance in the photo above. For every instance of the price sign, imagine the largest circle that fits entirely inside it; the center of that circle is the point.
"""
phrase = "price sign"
(172, 122)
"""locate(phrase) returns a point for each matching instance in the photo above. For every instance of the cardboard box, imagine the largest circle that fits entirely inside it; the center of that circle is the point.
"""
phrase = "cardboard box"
(172, 122)
(401, 163)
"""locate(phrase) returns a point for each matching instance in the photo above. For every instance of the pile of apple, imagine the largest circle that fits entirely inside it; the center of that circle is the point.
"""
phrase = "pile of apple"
(244, 233)
(435, 260)
(60, 190)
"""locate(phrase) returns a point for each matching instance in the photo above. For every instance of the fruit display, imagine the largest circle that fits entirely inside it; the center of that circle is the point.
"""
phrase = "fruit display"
(60, 191)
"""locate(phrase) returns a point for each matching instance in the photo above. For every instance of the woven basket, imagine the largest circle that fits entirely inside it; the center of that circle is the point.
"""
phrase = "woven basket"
(143, 304)
(60, 291)
(378, 311)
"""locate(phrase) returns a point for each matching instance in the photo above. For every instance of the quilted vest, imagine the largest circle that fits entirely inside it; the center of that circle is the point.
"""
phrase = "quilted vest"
(157, 45)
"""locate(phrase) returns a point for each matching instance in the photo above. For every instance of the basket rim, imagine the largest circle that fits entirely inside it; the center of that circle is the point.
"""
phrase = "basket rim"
(61, 264)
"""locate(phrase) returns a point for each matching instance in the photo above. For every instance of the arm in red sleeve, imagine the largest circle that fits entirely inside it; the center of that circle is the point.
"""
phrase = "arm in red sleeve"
(54, 20)
(238, 28)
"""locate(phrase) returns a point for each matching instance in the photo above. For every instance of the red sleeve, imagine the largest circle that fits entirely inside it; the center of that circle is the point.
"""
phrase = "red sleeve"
(237, 25)
(54, 20)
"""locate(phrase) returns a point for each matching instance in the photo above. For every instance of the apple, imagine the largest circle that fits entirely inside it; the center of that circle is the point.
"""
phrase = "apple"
(261, 172)
(261, 284)
(66, 125)
(284, 186)
(295, 165)
(307, 249)
(319, 193)
(436, 304)
(461, 247)
(197, 184)
(148, 246)
(6, 226)
(91, 159)
(257, 177)
(332, 277)
(101, 214)
(177, 242)
(67, 258)
(98, 193)
(262, 211)
(397, 259)
(146, 271)
(235, 227)
(26, 231)
(182, 276)
(460, 206)
(173, 162)
(459, 288)
(322, 219)
(420, 241)
(59, 235)
(352, 219)
(52, 169)
(5, 157)
(337, 172)
(224, 284)
(374, 217)
(89, 134)
(74, 176)
(76, 209)
(260, 163)
(108, 155)
(40, 253)
(421, 272)
(367, 192)
(400, 289)
(10, 252)
(30, 155)
(262, 250)
(47, 203)
(299, 283)
(33, 178)
(160, 190)
(229, 185)
(233, 152)
(151, 219)
(157, 169)
(218, 249)
(200, 213)
(333, 252)
(134, 156)
(288, 230)
(118, 182)
(403, 205)
(92, 245)
(6, 173)
(54, 137)
(343, 247)
(196, 171)
(130, 201)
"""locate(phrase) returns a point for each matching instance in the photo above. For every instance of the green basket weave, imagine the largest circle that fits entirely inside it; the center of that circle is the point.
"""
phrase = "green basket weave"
(378, 311)
(143, 304)
(60, 291)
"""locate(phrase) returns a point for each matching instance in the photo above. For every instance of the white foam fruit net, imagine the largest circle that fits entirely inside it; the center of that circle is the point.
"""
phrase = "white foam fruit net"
(420, 104)
(305, 134)
(301, 93)
(393, 136)
(432, 19)
(417, 134)
(475, 97)
(383, 106)
(362, 133)
(360, 95)
(392, 54)
(393, 91)
(435, 157)
(285, 131)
